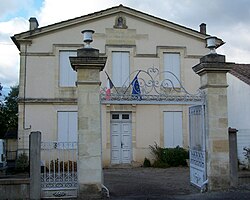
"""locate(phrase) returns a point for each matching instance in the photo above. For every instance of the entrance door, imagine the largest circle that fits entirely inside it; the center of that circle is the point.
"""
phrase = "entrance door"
(121, 142)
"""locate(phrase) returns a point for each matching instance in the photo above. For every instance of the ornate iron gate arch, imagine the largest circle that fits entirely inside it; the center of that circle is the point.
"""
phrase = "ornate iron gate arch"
(160, 87)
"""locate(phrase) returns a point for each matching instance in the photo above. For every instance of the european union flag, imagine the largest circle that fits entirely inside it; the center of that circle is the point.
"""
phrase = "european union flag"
(136, 87)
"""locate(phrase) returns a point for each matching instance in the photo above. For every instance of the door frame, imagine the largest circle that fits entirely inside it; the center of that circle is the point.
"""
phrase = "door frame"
(120, 120)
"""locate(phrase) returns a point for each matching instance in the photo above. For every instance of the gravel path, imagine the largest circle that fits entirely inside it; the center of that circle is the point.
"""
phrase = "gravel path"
(148, 182)
(161, 184)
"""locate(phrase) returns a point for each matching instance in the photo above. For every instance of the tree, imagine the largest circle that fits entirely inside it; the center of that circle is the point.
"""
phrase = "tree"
(9, 111)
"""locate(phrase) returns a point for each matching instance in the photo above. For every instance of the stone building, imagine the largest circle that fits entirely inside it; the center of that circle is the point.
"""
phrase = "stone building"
(136, 44)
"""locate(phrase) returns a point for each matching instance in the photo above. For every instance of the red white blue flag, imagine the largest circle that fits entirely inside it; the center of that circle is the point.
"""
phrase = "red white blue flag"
(110, 85)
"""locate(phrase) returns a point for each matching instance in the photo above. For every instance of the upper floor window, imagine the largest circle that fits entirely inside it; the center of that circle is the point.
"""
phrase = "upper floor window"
(67, 77)
(172, 64)
(120, 68)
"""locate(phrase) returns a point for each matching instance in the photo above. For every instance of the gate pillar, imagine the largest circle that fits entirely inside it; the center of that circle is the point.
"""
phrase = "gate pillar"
(212, 70)
(88, 65)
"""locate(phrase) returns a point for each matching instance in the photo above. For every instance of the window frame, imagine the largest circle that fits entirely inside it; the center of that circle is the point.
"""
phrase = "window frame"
(124, 79)
(174, 68)
(68, 126)
(68, 82)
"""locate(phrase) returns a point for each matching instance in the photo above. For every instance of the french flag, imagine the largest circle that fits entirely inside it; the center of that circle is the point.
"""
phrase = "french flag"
(110, 85)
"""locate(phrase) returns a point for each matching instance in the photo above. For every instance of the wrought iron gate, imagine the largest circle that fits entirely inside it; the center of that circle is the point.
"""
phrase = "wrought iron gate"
(59, 169)
(198, 175)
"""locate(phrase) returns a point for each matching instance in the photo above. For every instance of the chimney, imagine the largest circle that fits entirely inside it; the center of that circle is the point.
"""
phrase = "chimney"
(33, 23)
(203, 28)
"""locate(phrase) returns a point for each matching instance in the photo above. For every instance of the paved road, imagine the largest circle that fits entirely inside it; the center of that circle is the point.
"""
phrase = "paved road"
(171, 183)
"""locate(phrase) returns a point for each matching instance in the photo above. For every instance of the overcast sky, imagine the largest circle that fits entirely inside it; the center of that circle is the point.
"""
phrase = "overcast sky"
(226, 19)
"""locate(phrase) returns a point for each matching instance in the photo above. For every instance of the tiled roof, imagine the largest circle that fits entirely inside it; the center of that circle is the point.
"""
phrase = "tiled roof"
(242, 72)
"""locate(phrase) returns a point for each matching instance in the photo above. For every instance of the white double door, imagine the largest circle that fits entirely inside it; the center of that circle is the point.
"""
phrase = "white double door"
(121, 143)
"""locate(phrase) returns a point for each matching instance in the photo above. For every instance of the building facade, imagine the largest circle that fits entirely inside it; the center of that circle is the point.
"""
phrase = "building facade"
(135, 44)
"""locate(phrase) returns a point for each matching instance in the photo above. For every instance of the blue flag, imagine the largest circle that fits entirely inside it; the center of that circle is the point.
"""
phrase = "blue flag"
(136, 87)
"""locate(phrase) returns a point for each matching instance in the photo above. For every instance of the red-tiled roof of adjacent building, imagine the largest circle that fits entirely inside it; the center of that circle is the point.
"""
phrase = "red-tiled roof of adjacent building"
(242, 72)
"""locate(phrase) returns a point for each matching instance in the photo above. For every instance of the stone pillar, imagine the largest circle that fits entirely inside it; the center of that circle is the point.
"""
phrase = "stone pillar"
(233, 157)
(35, 165)
(212, 70)
(88, 65)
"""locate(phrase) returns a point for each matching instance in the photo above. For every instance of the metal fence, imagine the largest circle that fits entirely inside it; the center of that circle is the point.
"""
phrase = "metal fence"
(197, 146)
(58, 169)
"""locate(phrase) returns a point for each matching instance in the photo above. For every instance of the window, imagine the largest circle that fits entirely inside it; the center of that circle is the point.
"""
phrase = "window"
(67, 126)
(115, 116)
(125, 116)
(172, 64)
(173, 129)
(67, 74)
(120, 68)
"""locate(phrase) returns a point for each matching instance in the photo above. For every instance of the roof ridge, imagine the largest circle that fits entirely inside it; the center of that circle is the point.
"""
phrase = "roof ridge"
(120, 7)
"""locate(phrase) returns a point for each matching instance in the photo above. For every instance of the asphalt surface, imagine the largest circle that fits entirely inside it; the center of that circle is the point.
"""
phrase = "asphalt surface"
(170, 183)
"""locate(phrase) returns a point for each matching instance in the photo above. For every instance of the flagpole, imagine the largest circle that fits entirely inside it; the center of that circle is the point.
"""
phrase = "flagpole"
(132, 81)
(111, 81)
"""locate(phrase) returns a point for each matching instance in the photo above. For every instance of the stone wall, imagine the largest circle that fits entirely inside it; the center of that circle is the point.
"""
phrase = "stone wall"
(14, 188)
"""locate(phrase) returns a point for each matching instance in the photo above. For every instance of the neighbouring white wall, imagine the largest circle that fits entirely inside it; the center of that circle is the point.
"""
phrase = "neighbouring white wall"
(239, 112)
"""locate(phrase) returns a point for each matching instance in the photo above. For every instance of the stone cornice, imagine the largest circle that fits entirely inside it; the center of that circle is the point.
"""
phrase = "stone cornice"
(48, 100)
(88, 62)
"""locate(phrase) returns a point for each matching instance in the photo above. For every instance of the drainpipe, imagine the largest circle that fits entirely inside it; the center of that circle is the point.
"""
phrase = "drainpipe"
(33, 25)
(24, 89)
(24, 128)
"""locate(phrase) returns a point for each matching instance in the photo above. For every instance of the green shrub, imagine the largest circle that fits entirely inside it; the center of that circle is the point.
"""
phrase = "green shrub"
(22, 163)
(169, 157)
(146, 163)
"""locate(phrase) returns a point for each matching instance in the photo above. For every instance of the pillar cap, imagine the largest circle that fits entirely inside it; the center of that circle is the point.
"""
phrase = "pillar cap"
(212, 63)
(88, 62)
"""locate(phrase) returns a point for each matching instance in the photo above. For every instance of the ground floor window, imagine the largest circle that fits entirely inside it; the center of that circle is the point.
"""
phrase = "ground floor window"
(173, 129)
(67, 126)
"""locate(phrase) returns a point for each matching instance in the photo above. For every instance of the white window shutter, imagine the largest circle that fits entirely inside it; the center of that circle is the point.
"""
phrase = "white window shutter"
(172, 64)
(62, 122)
(116, 69)
(120, 68)
(72, 135)
(67, 76)
(125, 67)
(67, 126)
(178, 137)
(173, 129)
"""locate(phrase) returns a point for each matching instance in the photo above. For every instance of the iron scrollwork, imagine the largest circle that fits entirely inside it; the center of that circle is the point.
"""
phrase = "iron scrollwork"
(59, 194)
(154, 86)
